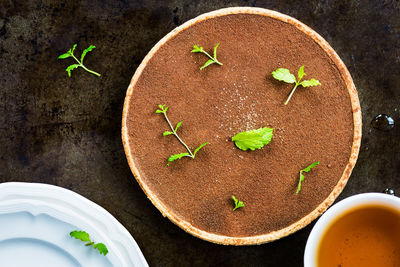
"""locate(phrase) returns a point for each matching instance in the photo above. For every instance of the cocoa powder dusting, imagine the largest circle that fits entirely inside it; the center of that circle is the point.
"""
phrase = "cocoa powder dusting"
(220, 101)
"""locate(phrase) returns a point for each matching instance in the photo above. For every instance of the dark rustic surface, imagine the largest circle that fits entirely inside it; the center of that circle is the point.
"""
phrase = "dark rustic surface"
(66, 131)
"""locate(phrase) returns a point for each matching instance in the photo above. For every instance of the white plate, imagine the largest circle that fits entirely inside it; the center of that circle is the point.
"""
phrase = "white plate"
(35, 222)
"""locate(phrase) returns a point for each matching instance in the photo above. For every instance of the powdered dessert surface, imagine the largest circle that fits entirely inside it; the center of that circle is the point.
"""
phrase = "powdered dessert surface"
(220, 101)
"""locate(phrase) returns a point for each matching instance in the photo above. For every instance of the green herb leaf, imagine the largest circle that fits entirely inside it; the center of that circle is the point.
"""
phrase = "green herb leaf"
(208, 63)
(73, 48)
(215, 50)
(70, 68)
(283, 74)
(90, 48)
(81, 235)
(178, 125)
(312, 82)
(301, 73)
(197, 49)
(253, 139)
(66, 55)
(178, 156)
(238, 204)
(167, 133)
(307, 169)
(101, 248)
(163, 109)
(70, 53)
(197, 149)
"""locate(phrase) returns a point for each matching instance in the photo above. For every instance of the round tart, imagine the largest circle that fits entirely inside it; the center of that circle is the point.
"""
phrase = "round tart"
(321, 123)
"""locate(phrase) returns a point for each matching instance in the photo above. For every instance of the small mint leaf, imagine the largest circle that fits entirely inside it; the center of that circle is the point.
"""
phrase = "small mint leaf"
(197, 149)
(101, 248)
(167, 133)
(177, 156)
(283, 74)
(215, 51)
(66, 55)
(197, 49)
(238, 204)
(301, 73)
(81, 235)
(73, 48)
(306, 169)
(70, 68)
(90, 48)
(208, 63)
(178, 125)
(308, 83)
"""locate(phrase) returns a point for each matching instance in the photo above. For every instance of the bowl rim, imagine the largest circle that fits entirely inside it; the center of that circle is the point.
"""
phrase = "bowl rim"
(336, 211)
(271, 236)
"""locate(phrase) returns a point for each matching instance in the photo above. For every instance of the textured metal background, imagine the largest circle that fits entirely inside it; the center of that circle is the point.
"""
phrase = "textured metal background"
(66, 131)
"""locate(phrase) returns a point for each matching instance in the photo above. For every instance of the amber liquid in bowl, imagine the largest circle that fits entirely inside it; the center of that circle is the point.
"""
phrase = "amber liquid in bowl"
(366, 236)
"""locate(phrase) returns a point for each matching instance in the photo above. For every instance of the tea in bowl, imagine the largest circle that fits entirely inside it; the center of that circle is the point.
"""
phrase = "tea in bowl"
(362, 230)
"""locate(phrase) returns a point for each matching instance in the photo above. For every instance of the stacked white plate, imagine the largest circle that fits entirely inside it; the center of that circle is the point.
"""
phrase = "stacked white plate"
(35, 222)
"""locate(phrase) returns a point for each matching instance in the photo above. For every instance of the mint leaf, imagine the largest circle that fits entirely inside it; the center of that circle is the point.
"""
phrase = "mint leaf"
(70, 68)
(167, 133)
(70, 53)
(312, 82)
(306, 169)
(212, 60)
(282, 74)
(300, 73)
(66, 55)
(178, 125)
(101, 248)
(197, 49)
(197, 149)
(178, 156)
(163, 109)
(253, 139)
(208, 63)
(81, 235)
(90, 48)
(215, 50)
(238, 204)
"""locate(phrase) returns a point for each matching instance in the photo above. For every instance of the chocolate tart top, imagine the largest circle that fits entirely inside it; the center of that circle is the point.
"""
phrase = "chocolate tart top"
(321, 123)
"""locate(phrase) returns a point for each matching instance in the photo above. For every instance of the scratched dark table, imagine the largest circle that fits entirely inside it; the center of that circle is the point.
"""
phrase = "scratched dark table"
(66, 131)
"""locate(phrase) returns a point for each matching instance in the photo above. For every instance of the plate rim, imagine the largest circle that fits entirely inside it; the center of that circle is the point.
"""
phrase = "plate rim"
(67, 202)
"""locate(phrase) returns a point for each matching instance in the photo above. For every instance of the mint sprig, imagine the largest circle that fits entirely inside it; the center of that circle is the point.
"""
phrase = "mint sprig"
(84, 237)
(213, 59)
(306, 169)
(238, 204)
(253, 139)
(284, 75)
(163, 110)
(70, 53)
